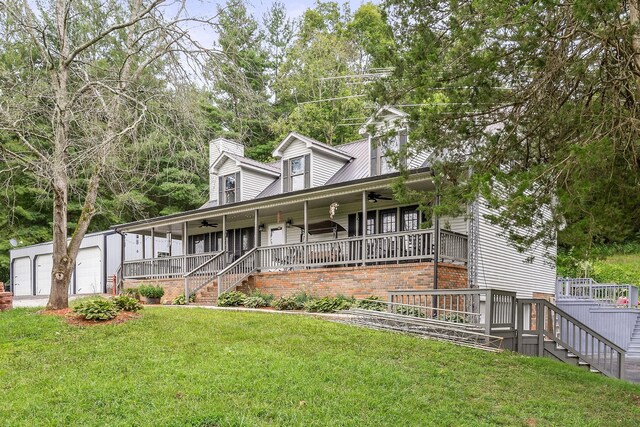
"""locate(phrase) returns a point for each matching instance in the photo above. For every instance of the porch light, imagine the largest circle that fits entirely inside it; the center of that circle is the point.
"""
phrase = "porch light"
(289, 222)
(261, 227)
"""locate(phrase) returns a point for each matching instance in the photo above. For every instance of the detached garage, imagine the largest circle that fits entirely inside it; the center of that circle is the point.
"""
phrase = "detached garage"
(98, 259)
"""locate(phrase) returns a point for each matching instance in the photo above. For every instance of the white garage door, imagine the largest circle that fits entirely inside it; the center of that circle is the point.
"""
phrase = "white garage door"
(44, 265)
(89, 271)
(22, 276)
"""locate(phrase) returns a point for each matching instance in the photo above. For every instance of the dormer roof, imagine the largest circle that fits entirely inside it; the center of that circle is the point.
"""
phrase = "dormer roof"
(245, 163)
(310, 143)
(391, 111)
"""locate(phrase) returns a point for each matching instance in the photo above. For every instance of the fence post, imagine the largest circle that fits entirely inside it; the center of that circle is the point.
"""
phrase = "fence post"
(488, 312)
(519, 325)
(633, 296)
(540, 327)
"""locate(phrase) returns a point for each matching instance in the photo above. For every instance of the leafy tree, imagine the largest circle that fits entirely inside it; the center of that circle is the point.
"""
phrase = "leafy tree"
(83, 87)
(539, 100)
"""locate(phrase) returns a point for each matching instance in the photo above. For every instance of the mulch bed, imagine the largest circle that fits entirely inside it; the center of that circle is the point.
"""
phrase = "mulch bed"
(74, 319)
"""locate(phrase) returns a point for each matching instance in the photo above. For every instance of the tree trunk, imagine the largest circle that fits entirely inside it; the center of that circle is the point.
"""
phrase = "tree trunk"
(62, 263)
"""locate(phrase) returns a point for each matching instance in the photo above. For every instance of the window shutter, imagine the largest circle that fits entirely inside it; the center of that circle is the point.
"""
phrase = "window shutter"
(238, 188)
(402, 142)
(220, 191)
(374, 156)
(307, 170)
(285, 176)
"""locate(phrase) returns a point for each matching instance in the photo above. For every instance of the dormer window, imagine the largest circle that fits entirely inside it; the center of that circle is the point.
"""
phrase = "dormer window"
(229, 188)
(296, 174)
(380, 162)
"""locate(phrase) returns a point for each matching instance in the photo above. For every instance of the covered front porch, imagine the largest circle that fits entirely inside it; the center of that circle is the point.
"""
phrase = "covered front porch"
(347, 227)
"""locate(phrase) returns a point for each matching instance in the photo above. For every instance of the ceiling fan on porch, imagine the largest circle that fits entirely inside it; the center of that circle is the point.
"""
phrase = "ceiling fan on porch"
(206, 223)
(374, 197)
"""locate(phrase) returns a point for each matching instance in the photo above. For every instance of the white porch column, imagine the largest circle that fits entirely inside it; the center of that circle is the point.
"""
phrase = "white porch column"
(185, 243)
(363, 223)
(306, 232)
(224, 238)
(153, 251)
(256, 236)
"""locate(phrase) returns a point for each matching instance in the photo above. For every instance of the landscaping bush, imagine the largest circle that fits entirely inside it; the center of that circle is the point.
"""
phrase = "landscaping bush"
(287, 303)
(96, 309)
(328, 304)
(151, 291)
(127, 303)
(255, 302)
(267, 297)
(132, 292)
(301, 298)
(371, 303)
(180, 299)
(231, 299)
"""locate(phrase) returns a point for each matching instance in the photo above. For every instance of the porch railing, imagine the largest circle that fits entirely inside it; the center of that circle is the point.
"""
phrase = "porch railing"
(589, 289)
(203, 274)
(236, 272)
(164, 267)
(393, 247)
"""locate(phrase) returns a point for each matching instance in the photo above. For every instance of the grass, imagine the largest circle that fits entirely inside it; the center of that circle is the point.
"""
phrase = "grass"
(198, 367)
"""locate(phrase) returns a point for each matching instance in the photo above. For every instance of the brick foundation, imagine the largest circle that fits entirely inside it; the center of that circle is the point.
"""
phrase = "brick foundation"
(172, 287)
(6, 299)
(359, 282)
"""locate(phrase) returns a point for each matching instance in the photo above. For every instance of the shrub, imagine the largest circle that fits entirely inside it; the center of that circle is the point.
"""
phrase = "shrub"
(301, 298)
(255, 302)
(151, 291)
(267, 297)
(127, 303)
(371, 303)
(96, 309)
(180, 299)
(328, 304)
(231, 299)
(132, 292)
(287, 303)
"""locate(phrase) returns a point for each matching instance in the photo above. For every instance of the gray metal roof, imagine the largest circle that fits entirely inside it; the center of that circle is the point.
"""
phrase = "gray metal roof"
(356, 168)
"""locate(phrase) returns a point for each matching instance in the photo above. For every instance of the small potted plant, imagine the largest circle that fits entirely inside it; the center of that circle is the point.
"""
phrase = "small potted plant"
(151, 294)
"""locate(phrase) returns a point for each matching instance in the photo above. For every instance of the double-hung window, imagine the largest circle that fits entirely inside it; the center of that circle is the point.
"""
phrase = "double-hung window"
(297, 173)
(230, 188)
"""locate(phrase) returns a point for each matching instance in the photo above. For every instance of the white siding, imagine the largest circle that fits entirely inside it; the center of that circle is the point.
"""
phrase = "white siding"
(253, 183)
(295, 148)
(216, 147)
(323, 167)
(501, 266)
(458, 224)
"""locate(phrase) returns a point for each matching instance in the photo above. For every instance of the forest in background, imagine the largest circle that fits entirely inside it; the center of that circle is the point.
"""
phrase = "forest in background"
(324, 73)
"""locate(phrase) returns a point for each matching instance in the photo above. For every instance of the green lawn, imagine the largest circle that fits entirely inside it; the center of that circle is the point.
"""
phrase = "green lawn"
(198, 367)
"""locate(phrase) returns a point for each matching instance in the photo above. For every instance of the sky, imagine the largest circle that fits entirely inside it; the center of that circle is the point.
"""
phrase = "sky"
(258, 8)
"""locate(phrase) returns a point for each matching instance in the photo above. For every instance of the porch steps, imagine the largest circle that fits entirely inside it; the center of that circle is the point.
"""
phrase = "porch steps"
(634, 345)
(209, 294)
(555, 351)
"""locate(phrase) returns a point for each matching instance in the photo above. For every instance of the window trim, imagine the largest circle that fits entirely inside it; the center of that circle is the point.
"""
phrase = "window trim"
(302, 173)
(225, 191)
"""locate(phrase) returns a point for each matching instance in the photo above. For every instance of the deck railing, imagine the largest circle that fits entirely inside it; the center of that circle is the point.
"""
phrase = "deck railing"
(461, 306)
(203, 274)
(602, 293)
(540, 322)
(236, 272)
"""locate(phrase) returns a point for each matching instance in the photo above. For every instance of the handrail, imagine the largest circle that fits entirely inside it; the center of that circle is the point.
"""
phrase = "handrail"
(216, 255)
(611, 294)
(550, 323)
(202, 275)
(236, 272)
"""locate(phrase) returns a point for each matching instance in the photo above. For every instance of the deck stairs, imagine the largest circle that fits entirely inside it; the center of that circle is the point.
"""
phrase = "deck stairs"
(556, 351)
(633, 350)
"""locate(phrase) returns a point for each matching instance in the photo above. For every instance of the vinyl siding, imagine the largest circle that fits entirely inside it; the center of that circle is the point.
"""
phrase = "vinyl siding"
(253, 183)
(500, 266)
(216, 147)
(323, 168)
